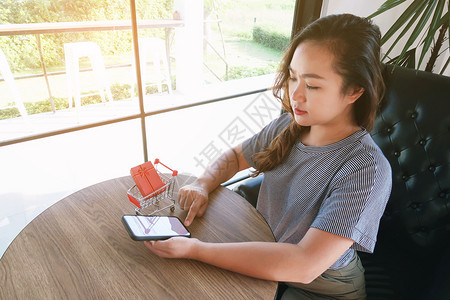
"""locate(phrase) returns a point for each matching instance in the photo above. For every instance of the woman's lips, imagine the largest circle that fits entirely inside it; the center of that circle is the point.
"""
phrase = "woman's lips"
(299, 112)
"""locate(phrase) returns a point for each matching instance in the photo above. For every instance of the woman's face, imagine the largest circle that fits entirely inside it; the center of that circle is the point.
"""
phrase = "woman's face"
(315, 89)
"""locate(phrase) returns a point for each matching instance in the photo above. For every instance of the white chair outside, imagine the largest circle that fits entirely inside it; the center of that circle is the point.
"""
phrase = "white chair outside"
(73, 53)
(9, 79)
(154, 50)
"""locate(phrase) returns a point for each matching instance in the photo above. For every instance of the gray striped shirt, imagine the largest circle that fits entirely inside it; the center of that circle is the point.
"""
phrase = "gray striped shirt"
(341, 188)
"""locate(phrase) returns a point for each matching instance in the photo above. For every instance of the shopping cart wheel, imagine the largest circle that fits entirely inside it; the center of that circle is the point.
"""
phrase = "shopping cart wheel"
(172, 209)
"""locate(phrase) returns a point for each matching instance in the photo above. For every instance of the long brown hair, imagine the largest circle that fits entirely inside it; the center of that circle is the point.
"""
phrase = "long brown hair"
(355, 43)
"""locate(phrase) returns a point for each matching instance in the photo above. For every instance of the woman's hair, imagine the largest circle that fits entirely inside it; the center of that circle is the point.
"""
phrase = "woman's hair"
(355, 44)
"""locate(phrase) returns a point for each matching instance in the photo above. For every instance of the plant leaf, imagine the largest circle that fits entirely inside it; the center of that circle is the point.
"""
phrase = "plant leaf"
(408, 60)
(432, 31)
(420, 25)
(407, 14)
(448, 22)
(406, 29)
(386, 6)
(444, 19)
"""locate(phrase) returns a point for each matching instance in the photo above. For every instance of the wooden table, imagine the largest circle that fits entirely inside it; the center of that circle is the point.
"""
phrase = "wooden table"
(79, 249)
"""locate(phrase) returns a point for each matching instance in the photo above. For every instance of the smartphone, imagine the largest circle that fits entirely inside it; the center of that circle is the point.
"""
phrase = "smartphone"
(148, 228)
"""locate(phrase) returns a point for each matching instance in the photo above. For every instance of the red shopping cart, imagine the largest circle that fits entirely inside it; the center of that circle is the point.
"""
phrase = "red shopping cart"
(158, 200)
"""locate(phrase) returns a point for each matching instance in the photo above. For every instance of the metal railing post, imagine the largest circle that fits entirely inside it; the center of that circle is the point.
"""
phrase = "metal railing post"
(38, 40)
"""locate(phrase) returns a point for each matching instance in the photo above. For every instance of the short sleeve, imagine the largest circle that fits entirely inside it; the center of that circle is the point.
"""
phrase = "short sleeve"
(356, 201)
(259, 141)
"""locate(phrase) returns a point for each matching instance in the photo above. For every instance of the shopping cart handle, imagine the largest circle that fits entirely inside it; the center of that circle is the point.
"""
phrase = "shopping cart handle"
(174, 172)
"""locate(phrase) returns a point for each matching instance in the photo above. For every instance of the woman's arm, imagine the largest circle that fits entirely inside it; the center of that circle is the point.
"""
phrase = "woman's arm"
(194, 197)
(225, 167)
(303, 262)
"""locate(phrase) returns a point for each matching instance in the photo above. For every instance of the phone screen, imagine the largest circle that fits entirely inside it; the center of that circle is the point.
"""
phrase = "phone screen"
(143, 228)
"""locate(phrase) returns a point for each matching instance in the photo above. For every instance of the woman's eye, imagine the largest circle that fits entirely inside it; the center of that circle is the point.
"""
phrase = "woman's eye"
(309, 87)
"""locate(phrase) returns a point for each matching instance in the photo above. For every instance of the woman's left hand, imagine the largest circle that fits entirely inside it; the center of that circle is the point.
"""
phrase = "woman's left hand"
(176, 247)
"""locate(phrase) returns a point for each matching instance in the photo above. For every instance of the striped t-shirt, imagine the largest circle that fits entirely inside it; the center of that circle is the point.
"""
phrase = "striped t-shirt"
(341, 188)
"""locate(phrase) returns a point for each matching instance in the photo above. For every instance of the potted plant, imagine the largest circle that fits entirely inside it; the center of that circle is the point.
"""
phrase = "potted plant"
(428, 21)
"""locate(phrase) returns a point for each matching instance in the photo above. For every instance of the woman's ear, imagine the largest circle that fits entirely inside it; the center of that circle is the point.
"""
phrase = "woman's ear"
(354, 93)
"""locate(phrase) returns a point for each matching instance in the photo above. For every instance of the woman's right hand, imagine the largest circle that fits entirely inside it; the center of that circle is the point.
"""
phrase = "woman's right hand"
(194, 199)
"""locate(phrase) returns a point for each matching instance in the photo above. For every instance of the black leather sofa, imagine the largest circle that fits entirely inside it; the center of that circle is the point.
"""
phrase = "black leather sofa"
(412, 256)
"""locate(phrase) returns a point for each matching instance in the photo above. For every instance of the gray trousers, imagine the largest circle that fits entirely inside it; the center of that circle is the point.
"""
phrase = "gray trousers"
(345, 283)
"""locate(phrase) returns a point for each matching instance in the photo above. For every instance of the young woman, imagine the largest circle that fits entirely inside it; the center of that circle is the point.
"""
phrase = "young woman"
(326, 183)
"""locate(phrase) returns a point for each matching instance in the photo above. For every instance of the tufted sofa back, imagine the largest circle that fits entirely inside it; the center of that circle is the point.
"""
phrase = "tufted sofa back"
(413, 131)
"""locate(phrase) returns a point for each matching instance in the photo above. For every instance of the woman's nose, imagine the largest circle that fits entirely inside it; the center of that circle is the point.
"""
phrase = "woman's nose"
(298, 93)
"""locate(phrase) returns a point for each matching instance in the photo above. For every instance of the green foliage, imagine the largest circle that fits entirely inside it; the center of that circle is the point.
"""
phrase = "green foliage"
(45, 105)
(151, 9)
(271, 39)
(425, 18)
(237, 72)
(9, 113)
(35, 108)
(22, 51)
(119, 92)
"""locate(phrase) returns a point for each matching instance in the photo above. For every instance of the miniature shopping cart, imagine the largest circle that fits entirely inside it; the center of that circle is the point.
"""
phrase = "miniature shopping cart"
(158, 200)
